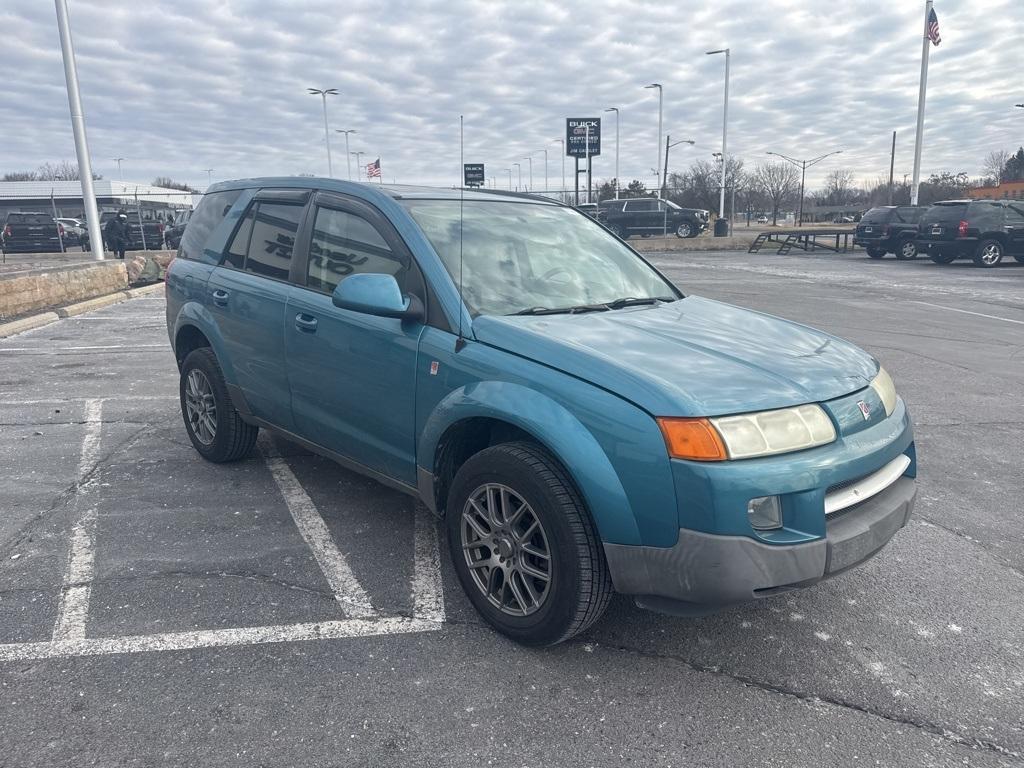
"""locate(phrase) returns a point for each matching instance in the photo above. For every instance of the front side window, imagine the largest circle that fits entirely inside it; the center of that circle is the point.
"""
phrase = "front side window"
(273, 239)
(521, 256)
(344, 244)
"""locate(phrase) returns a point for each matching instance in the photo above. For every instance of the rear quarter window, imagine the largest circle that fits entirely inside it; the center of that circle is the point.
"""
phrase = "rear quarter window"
(208, 214)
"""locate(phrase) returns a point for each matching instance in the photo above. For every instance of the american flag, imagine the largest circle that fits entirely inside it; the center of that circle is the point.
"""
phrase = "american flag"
(933, 28)
(373, 169)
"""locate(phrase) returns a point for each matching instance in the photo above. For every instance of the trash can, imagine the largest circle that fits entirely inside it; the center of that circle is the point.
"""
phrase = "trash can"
(721, 227)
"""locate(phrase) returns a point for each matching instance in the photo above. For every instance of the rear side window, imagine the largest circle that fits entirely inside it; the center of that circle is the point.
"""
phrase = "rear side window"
(985, 215)
(1014, 215)
(947, 213)
(641, 205)
(344, 244)
(272, 241)
(876, 216)
(208, 214)
(910, 215)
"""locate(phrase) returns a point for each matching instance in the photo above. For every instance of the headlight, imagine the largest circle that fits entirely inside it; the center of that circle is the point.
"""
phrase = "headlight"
(771, 432)
(885, 389)
(748, 435)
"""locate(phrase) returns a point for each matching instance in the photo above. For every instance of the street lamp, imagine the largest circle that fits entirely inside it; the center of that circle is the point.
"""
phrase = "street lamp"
(545, 169)
(561, 142)
(529, 160)
(509, 179)
(348, 159)
(668, 145)
(725, 127)
(209, 177)
(616, 111)
(803, 165)
(120, 176)
(660, 104)
(519, 176)
(358, 162)
(323, 93)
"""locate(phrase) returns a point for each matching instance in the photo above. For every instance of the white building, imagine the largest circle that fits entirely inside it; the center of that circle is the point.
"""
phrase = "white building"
(66, 198)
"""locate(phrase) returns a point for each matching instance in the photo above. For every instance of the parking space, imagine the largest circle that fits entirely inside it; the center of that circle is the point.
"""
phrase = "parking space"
(284, 610)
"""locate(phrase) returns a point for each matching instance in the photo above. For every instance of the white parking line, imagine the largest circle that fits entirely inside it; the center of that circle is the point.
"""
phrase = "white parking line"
(73, 611)
(347, 589)
(968, 312)
(215, 638)
(50, 400)
(427, 589)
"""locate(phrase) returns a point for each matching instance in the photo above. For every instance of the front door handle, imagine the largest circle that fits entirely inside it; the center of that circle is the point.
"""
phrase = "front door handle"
(220, 297)
(305, 322)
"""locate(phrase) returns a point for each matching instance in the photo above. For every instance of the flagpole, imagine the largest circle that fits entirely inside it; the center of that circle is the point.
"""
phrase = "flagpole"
(920, 106)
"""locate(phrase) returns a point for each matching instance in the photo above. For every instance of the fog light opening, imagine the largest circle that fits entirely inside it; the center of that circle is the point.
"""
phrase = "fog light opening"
(765, 513)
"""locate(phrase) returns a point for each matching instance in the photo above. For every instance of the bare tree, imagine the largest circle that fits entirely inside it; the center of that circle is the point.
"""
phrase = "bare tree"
(62, 171)
(839, 187)
(168, 183)
(994, 166)
(778, 182)
(21, 176)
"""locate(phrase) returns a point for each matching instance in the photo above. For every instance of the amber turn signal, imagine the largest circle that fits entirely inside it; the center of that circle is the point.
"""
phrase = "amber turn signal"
(694, 439)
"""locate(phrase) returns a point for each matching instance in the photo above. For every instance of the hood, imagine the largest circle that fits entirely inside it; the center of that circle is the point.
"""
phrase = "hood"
(693, 357)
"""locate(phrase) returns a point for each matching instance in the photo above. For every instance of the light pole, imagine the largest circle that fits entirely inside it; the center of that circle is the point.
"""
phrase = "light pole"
(660, 104)
(725, 128)
(545, 169)
(120, 176)
(358, 162)
(348, 158)
(668, 145)
(323, 93)
(529, 160)
(509, 179)
(803, 165)
(209, 177)
(616, 111)
(561, 143)
(519, 177)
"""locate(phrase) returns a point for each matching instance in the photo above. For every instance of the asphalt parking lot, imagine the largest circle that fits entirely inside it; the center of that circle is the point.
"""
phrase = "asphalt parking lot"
(156, 609)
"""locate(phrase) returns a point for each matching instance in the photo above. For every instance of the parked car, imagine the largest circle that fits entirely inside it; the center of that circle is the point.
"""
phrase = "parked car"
(762, 219)
(982, 230)
(25, 232)
(73, 231)
(649, 216)
(174, 231)
(149, 235)
(580, 424)
(890, 229)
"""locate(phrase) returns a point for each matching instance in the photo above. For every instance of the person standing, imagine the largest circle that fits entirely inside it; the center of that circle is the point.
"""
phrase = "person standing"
(116, 233)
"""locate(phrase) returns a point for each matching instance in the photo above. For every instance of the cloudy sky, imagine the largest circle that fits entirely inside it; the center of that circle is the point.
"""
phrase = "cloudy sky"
(177, 86)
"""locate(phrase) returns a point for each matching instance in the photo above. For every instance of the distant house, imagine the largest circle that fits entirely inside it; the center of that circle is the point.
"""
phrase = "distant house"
(66, 198)
(1008, 190)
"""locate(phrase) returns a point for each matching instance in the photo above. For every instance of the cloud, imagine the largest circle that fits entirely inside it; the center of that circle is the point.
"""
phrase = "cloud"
(176, 86)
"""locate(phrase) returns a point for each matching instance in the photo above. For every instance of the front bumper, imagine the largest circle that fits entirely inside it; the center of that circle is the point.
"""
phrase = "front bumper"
(704, 571)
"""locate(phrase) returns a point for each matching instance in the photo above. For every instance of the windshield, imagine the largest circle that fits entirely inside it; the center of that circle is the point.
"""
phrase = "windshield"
(518, 257)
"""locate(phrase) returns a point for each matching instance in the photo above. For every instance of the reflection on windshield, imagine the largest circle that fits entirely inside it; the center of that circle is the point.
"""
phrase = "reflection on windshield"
(518, 256)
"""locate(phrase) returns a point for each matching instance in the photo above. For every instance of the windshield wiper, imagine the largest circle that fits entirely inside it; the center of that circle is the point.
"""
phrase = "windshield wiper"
(575, 310)
(634, 302)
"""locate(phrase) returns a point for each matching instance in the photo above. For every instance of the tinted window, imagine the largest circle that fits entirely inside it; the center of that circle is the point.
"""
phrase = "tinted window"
(239, 245)
(33, 219)
(273, 239)
(952, 212)
(985, 215)
(344, 244)
(1014, 216)
(876, 216)
(641, 205)
(910, 214)
(208, 214)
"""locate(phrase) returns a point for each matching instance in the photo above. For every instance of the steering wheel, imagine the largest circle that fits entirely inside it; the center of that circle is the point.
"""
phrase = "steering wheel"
(555, 271)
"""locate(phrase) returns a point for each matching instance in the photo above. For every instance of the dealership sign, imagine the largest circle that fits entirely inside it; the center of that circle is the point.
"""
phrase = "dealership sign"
(473, 174)
(576, 134)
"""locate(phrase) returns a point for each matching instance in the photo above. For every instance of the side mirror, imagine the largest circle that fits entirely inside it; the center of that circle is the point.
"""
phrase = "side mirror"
(376, 294)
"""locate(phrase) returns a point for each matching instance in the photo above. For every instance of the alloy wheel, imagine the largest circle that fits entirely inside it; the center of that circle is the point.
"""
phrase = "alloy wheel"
(201, 407)
(908, 250)
(506, 549)
(683, 230)
(991, 253)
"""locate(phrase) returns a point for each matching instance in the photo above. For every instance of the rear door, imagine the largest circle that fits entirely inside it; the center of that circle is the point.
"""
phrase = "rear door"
(247, 294)
(1015, 230)
(352, 375)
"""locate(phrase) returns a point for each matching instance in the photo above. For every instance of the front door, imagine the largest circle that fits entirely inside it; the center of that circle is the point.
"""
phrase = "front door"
(352, 375)
(1015, 229)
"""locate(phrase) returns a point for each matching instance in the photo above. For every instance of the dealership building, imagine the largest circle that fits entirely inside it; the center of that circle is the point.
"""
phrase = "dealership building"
(1008, 190)
(65, 197)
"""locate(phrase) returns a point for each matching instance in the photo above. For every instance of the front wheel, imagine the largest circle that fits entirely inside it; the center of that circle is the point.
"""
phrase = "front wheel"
(684, 230)
(216, 430)
(524, 547)
(989, 253)
(906, 250)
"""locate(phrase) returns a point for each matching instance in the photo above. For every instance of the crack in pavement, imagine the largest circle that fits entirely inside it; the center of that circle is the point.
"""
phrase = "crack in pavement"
(971, 540)
(972, 742)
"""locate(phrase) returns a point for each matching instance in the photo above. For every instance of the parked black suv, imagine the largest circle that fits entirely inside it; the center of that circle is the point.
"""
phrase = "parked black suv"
(31, 233)
(147, 236)
(983, 230)
(174, 231)
(650, 216)
(890, 229)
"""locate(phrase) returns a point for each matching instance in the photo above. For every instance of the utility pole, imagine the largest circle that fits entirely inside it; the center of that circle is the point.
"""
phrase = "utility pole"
(660, 105)
(892, 164)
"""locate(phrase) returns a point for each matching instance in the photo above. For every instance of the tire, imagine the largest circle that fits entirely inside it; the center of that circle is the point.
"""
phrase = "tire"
(942, 258)
(523, 477)
(906, 250)
(685, 230)
(221, 436)
(989, 254)
(875, 253)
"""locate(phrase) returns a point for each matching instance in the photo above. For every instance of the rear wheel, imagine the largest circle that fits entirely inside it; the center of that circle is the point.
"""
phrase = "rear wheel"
(523, 545)
(989, 253)
(906, 250)
(875, 253)
(216, 430)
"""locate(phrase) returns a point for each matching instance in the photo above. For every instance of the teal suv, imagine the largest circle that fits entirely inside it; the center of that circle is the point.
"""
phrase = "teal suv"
(582, 426)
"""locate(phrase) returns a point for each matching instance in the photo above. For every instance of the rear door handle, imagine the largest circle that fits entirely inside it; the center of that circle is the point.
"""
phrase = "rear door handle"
(220, 297)
(305, 322)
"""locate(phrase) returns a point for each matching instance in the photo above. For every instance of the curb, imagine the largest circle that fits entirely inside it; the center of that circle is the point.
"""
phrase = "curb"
(79, 308)
(27, 324)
